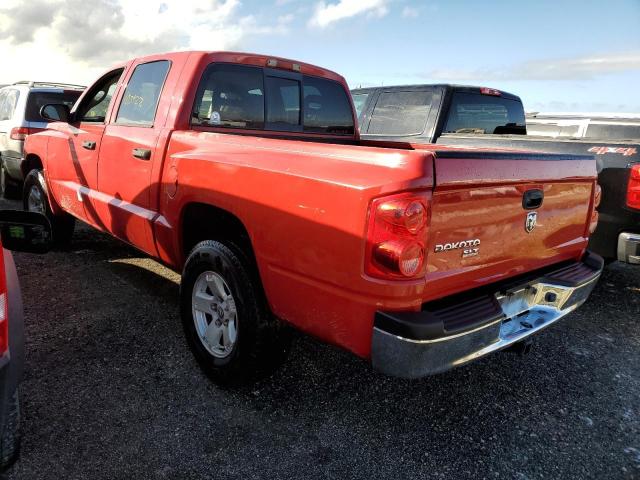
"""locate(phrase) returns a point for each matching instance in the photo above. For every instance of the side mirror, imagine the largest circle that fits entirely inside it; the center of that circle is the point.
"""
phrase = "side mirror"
(55, 112)
(25, 231)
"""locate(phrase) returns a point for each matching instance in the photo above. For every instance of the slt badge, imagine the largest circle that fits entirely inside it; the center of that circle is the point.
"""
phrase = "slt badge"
(530, 222)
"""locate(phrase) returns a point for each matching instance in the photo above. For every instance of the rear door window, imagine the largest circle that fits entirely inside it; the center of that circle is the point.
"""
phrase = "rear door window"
(472, 113)
(400, 113)
(37, 100)
(140, 100)
(9, 102)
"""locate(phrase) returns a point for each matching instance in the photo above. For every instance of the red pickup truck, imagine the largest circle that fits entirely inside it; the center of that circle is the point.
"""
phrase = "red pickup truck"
(247, 173)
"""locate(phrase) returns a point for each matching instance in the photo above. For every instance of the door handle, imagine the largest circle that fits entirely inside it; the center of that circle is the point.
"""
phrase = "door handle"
(142, 153)
(532, 199)
(89, 145)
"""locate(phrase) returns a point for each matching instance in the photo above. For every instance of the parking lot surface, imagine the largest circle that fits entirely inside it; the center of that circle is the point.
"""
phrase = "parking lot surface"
(111, 392)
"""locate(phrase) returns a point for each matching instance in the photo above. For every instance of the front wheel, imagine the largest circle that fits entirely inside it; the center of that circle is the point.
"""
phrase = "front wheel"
(228, 325)
(35, 199)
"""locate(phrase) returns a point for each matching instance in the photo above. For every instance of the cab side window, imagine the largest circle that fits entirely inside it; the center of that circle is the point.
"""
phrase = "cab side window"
(8, 104)
(95, 105)
(140, 100)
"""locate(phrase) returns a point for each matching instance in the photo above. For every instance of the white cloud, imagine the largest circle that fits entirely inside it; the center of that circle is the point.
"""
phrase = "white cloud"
(580, 68)
(326, 14)
(410, 12)
(72, 40)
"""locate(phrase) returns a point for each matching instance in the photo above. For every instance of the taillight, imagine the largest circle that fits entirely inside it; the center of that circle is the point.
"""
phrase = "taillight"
(597, 198)
(21, 133)
(396, 236)
(633, 187)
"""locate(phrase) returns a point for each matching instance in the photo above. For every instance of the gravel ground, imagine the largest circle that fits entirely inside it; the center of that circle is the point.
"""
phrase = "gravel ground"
(111, 392)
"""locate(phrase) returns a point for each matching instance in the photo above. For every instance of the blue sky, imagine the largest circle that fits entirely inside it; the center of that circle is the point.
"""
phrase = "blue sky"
(563, 55)
(557, 55)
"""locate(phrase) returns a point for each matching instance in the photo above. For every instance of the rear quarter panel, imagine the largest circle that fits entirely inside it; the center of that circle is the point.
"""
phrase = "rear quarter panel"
(305, 207)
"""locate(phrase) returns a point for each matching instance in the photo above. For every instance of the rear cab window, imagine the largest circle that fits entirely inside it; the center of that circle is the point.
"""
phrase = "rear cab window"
(476, 113)
(247, 97)
(37, 99)
(401, 113)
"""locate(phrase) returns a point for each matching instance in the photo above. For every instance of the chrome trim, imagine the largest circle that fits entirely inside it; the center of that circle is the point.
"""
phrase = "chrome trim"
(527, 310)
(629, 248)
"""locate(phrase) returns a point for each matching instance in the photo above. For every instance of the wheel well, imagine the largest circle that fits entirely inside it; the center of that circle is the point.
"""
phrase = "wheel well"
(30, 162)
(206, 222)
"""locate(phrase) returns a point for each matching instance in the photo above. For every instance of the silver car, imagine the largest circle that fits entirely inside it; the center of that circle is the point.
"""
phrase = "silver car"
(20, 105)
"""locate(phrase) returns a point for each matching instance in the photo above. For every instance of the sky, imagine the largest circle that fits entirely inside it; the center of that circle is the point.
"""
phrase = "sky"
(557, 55)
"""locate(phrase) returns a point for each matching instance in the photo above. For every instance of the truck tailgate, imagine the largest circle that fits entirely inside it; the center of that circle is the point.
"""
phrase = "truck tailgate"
(486, 224)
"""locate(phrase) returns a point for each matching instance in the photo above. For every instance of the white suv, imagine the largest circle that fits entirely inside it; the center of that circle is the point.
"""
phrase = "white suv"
(20, 105)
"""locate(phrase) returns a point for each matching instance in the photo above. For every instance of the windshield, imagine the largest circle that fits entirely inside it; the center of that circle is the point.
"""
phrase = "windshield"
(475, 113)
(359, 99)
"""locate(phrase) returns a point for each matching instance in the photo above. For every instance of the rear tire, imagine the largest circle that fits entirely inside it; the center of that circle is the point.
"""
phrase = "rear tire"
(8, 188)
(35, 199)
(220, 290)
(10, 438)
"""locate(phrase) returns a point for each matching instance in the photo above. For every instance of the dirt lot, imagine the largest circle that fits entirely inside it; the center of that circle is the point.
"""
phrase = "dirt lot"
(111, 392)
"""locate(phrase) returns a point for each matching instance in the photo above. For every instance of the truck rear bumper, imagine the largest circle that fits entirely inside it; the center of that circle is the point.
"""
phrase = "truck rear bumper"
(629, 248)
(452, 332)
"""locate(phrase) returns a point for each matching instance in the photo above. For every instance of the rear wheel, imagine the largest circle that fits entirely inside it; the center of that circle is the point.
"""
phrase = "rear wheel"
(35, 199)
(8, 188)
(228, 325)
(10, 437)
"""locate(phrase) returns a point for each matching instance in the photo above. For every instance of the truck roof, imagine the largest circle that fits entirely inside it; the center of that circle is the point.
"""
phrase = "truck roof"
(255, 59)
(446, 86)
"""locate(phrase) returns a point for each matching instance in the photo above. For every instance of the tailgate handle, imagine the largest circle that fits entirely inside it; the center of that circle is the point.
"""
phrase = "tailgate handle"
(532, 199)
(142, 153)
(89, 145)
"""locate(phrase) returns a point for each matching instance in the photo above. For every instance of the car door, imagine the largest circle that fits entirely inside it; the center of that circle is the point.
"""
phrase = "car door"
(128, 152)
(73, 155)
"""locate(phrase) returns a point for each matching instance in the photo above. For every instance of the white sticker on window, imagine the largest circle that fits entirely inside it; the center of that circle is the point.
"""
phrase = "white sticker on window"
(215, 118)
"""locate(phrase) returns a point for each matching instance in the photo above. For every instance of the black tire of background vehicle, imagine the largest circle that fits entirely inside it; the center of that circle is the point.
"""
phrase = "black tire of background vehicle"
(61, 225)
(8, 189)
(263, 340)
(10, 438)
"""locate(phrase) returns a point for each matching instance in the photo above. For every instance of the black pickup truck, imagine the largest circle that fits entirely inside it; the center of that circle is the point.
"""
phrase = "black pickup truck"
(486, 117)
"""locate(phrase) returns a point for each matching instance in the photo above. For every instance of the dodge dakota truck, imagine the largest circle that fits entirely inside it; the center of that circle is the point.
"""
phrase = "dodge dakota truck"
(489, 118)
(246, 172)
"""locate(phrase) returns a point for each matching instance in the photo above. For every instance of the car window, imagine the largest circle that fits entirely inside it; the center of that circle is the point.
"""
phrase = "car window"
(95, 105)
(400, 113)
(8, 104)
(326, 107)
(37, 100)
(283, 101)
(475, 113)
(359, 100)
(140, 100)
(230, 96)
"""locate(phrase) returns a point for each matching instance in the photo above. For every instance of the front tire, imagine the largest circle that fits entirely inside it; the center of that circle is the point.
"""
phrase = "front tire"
(35, 199)
(228, 326)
